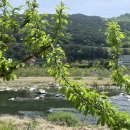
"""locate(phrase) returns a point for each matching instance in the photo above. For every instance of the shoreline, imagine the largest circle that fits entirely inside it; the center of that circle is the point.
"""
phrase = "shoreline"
(26, 123)
(23, 83)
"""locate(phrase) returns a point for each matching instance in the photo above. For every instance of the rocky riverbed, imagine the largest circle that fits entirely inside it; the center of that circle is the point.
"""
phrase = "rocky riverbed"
(23, 83)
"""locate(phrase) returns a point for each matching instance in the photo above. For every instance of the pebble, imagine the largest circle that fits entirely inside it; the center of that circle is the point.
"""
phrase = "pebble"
(11, 99)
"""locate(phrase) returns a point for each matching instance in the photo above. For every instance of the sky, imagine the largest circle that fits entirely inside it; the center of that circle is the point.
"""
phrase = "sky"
(103, 8)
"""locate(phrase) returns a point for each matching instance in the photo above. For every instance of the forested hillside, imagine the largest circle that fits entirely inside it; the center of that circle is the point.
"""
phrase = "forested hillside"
(87, 30)
(90, 30)
(84, 39)
(124, 17)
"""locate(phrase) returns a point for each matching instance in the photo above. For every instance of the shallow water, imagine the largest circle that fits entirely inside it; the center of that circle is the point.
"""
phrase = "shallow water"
(25, 103)
(17, 102)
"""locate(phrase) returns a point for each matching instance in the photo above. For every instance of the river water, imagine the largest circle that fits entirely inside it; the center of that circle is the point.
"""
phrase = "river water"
(26, 103)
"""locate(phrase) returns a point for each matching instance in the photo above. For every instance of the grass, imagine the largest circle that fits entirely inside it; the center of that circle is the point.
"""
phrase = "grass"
(38, 71)
(7, 126)
(14, 123)
(93, 71)
(33, 71)
(42, 82)
(63, 118)
(8, 122)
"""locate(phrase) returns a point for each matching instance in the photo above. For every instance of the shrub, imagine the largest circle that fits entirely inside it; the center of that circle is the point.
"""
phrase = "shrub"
(82, 65)
(100, 78)
(63, 118)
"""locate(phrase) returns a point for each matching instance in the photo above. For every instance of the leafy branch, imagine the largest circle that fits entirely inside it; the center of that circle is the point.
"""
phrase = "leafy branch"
(85, 100)
(39, 42)
(114, 39)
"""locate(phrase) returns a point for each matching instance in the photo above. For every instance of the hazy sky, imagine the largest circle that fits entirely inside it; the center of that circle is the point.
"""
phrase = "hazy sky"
(104, 8)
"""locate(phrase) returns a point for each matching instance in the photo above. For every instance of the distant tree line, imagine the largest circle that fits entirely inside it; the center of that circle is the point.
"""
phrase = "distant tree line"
(81, 52)
(84, 39)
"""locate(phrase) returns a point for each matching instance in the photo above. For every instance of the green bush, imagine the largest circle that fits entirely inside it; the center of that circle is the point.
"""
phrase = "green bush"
(100, 78)
(63, 118)
(83, 66)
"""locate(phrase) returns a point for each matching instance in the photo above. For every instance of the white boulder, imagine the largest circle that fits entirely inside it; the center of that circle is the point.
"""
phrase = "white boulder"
(42, 91)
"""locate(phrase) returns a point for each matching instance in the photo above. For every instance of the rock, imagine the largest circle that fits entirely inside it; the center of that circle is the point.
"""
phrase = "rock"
(122, 94)
(59, 95)
(15, 90)
(8, 89)
(32, 89)
(128, 96)
(57, 85)
(51, 84)
(11, 99)
(112, 87)
(42, 96)
(37, 98)
(42, 91)
(2, 90)
(47, 87)
(115, 98)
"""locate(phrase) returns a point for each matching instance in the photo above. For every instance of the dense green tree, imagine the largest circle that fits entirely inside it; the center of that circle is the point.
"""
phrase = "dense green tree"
(81, 52)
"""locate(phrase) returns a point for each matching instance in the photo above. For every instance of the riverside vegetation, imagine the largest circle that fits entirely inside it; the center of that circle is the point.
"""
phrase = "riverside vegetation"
(37, 71)
(46, 43)
(15, 123)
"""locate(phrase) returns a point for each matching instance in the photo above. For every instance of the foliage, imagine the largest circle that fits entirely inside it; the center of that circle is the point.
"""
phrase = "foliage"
(35, 37)
(114, 39)
(84, 32)
(86, 101)
(63, 118)
(44, 44)
(8, 26)
(124, 17)
(84, 52)
(87, 30)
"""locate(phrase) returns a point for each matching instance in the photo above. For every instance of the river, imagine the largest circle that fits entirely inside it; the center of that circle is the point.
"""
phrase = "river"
(26, 103)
